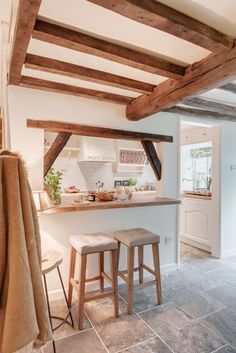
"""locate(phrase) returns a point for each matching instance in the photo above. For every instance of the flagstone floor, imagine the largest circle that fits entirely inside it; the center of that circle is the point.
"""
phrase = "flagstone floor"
(198, 314)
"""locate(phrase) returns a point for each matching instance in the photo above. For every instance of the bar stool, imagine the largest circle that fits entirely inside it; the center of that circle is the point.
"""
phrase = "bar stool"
(139, 237)
(90, 244)
(51, 260)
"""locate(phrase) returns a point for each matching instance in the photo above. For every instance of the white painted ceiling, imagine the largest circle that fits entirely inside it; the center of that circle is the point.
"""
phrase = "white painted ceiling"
(90, 18)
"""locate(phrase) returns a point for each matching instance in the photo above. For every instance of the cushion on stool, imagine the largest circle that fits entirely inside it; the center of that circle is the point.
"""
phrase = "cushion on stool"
(50, 260)
(136, 236)
(92, 243)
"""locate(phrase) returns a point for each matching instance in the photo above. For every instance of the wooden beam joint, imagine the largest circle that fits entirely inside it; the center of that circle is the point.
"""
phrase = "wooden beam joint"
(153, 158)
(55, 149)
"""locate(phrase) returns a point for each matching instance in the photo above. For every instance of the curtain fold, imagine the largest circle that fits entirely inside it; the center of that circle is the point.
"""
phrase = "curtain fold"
(23, 310)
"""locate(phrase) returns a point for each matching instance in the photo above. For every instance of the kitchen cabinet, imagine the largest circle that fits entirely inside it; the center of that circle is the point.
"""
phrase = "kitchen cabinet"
(196, 135)
(196, 222)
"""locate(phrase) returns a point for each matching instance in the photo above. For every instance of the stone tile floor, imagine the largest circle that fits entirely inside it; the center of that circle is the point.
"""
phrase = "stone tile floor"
(198, 314)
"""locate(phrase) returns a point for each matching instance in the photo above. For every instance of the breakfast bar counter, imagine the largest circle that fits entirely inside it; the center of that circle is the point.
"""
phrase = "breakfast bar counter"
(136, 201)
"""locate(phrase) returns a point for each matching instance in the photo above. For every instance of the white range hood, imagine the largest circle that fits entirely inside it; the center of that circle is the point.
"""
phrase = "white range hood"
(93, 149)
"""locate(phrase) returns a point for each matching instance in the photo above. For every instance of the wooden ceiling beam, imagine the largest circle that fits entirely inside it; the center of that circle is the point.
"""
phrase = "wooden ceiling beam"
(95, 131)
(55, 149)
(157, 15)
(25, 21)
(212, 106)
(198, 113)
(214, 71)
(57, 87)
(230, 87)
(105, 49)
(41, 63)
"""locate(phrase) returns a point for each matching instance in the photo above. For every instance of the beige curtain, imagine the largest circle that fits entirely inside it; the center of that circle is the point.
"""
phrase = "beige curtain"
(23, 311)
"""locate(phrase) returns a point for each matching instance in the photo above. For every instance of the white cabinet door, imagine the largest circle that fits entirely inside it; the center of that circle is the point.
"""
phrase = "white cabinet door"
(195, 228)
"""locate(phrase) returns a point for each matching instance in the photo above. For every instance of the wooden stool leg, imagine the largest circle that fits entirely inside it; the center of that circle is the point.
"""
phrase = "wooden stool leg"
(140, 263)
(156, 260)
(114, 277)
(118, 255)
(71, 275)
(81, 290)
(101, 269)
(130, 278)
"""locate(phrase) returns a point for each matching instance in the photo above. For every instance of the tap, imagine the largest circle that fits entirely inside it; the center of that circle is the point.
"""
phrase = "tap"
(99, 185)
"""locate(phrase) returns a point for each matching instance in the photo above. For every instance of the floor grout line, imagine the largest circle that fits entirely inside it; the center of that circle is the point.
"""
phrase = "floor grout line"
(72, 334)
(217, 350)
(136, 344)
(216, 311)
(156, 334)
(96, 332)
(210, 329)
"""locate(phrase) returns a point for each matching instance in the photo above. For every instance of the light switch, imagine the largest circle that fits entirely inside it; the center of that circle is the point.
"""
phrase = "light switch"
(232, 167)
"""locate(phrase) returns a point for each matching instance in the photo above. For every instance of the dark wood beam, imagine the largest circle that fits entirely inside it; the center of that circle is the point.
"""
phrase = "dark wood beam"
(211, 106)
(214, 71)
(164, 18)
(55, 149)
(25, 21)
(230, 87)
(152, 156)
(95, 131)
(105, 49)
(51, 86)
(84, 73)
(198, 113)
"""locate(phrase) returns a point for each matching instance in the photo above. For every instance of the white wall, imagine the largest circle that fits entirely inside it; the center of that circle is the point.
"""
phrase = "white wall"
(56, 229)
(228, 189)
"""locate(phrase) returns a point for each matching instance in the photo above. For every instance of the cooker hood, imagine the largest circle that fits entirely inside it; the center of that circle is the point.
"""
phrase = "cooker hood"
(93, 149)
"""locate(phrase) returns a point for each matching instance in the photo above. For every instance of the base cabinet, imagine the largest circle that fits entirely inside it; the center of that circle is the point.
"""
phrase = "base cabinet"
(196, 222)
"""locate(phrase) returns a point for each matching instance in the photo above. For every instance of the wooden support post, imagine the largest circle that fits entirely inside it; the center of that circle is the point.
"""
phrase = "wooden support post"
(56, 148)
(152, 156)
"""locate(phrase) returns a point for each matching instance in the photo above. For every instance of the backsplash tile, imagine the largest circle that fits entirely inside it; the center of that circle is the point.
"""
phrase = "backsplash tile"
(84, 175)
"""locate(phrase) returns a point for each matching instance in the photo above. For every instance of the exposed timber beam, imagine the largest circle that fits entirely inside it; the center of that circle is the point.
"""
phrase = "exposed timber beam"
(55, 149)
(51, 86)
(152, 156)
(230, 87)
(198, 113)
(214, 71)
(25, 21)
(164, 18)
(95, 131)
(211, 106)
(84, 73)
(89, 44)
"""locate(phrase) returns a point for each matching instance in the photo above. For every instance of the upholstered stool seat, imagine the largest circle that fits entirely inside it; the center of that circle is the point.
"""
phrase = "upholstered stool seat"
(85, 245)
(51, 260)
(139, 237)
(92, 243)
(136, 237)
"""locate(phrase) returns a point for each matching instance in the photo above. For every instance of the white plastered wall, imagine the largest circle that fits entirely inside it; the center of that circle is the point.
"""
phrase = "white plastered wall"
(56, 229)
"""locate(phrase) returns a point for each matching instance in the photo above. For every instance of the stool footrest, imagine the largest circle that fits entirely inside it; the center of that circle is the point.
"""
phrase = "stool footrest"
(146, 284)
(105, 276)
(149, 269)
(92, 296)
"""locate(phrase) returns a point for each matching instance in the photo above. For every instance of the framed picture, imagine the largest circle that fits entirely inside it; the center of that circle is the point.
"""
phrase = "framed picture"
(125, 182)
(118, 183)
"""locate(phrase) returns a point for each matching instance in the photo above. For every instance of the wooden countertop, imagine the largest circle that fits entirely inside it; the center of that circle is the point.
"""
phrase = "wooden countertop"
(137, 201)
(197, 195)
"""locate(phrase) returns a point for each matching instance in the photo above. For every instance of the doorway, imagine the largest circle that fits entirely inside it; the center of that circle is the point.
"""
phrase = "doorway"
(199, 235)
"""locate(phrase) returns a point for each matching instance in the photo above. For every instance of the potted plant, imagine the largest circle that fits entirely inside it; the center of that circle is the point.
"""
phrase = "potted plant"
(52, 183)
(208, 181)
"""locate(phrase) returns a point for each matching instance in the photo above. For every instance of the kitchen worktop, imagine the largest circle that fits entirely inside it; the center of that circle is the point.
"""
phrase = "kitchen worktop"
(136, 201)
(197, 195)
